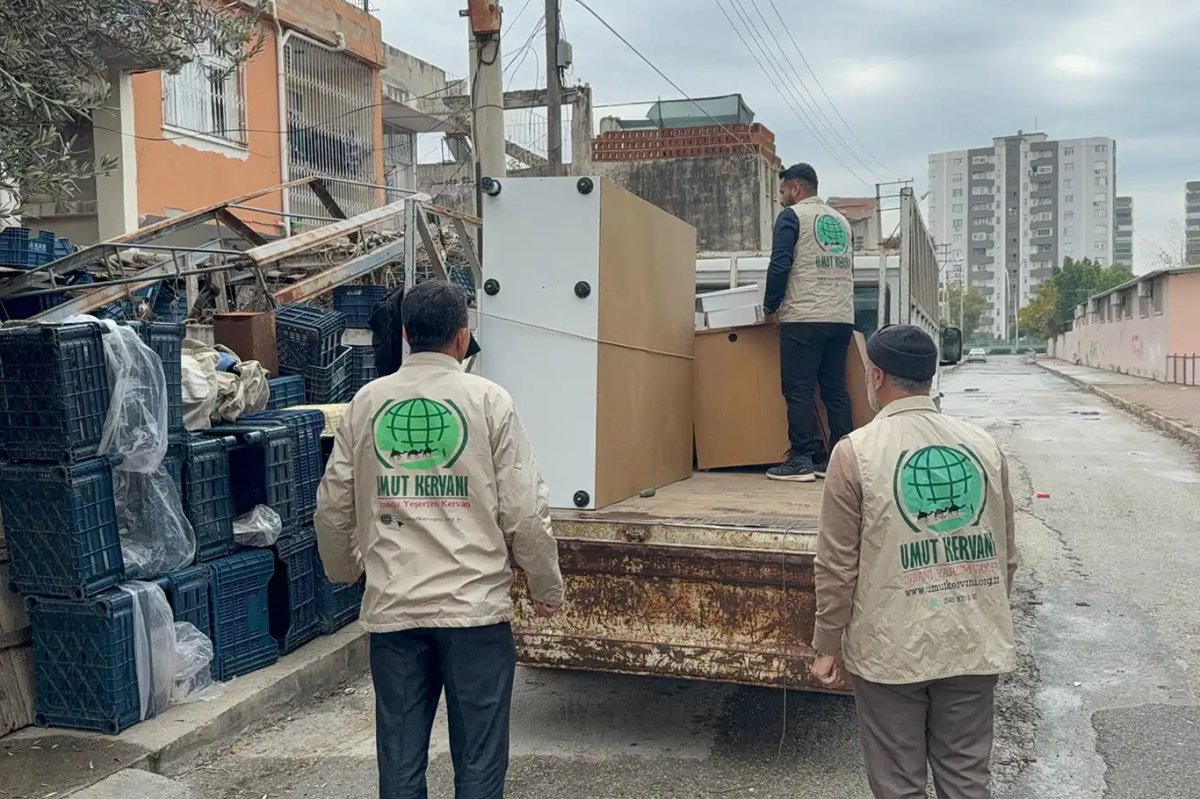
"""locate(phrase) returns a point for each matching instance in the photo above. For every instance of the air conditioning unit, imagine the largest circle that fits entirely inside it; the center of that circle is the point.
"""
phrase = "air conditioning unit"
(1145, 289)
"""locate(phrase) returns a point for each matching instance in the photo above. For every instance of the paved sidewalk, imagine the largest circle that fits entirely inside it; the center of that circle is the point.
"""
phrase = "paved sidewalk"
(1171, 408)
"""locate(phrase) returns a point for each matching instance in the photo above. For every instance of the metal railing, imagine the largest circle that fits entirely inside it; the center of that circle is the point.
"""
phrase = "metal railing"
(1181, 369)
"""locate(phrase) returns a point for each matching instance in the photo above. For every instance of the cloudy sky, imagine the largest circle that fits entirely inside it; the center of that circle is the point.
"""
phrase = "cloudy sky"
(911, 77)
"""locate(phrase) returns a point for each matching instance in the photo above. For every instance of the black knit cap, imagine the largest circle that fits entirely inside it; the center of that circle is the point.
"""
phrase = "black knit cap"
(904, 351)
(800, 171)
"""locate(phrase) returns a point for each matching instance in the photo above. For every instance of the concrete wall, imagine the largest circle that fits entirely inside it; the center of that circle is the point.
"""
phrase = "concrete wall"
(1183, 306)
(1136, 346)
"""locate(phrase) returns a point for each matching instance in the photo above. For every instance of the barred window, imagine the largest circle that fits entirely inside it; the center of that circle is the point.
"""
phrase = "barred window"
(207, 96)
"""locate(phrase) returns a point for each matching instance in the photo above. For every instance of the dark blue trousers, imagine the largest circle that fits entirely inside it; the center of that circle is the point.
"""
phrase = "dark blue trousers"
(475, 665)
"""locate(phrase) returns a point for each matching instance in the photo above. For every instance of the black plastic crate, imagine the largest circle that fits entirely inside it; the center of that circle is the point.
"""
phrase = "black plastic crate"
(173, 463)
(166, 339)
(362, 366)
(307, 336)
(207, 498)
(357, 302)
(292, 595)
(21, 248)
(84, 663)
(333, 383)
(337, 604)
(285, 392)
(241, 622)
(54, 392)
(261, 468)
(187, 593)
(306, 427)
(61, 528)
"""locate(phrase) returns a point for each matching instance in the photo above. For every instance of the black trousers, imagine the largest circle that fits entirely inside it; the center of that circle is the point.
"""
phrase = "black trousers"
(476, 666)
(811, 354)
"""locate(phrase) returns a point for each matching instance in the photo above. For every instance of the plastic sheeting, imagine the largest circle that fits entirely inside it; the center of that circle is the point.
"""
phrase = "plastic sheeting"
(193, 666)
(153, 646)
(156, 536)
(260, 527)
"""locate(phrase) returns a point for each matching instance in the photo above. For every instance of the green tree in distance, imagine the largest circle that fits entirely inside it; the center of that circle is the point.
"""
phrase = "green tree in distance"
(966, 307)
(54, 71)
(1053, 309)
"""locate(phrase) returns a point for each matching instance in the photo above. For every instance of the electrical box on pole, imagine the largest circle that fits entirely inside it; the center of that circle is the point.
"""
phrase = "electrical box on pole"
(484, 16)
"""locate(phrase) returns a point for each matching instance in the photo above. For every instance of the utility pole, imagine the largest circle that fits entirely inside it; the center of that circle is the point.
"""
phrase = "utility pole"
(553, 92)
(487, 96)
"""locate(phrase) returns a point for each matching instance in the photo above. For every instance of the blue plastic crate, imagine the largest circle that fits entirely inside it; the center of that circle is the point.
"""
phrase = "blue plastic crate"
(171, 303)
(285, 392)
(357, 302)
(60, 523)
(166, 339)
(362, 366)
(62, 248)
(21, 248)
(207, 498)
(306, 427)
(292, 595)
(238, 609)
(329, 384)
(261, 469)
(54, 392)
(84, 663)
(337, 604)
(187, 593)
(307, 336)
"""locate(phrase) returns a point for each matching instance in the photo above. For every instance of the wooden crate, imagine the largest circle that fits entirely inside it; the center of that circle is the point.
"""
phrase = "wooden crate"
(16, 660)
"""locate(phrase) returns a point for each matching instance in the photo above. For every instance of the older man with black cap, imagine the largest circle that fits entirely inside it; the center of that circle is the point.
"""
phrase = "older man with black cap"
(914, 566)
(810, 293)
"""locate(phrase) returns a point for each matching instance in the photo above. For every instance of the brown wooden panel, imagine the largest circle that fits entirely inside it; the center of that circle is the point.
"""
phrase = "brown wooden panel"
(16, 660)
(646, 330)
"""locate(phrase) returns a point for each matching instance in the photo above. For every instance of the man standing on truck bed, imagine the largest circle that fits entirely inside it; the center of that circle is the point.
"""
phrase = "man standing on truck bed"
(810, 293)
(914, 566)
(431, 483)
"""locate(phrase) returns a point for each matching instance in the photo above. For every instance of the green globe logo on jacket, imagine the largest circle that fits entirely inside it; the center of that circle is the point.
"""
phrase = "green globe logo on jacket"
(940, 488)
(831, 234)
(419, 434)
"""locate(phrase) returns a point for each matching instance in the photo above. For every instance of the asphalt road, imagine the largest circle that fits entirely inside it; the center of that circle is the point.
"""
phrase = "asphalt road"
(1103, 706)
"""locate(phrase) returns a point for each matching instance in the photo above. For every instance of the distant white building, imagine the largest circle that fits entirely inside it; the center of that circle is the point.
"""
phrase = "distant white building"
(1007, 214)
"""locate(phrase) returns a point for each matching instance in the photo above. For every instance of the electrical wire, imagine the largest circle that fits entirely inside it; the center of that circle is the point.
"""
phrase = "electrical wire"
(821, 86)
(660, 73)
(813, 106)
(791, 103)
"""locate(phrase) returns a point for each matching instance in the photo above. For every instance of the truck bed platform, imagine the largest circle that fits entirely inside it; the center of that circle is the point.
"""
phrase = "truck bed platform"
(710, 579)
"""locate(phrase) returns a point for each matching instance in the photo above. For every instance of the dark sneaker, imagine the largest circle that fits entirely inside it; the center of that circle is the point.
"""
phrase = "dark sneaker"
(820, 469)
(793, 472)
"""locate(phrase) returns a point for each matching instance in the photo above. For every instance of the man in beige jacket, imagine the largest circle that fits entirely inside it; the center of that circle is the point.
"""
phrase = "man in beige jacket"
(914, 566)
(432, 491)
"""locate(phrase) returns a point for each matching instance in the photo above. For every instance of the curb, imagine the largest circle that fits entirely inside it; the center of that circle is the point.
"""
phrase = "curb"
(1146, 415)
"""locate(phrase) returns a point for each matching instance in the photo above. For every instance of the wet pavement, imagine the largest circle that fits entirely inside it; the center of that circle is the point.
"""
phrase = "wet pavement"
(1108, 616)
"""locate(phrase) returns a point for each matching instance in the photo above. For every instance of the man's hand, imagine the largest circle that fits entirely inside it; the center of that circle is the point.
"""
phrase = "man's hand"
(544, 610)
(771, 318)
(829, 671)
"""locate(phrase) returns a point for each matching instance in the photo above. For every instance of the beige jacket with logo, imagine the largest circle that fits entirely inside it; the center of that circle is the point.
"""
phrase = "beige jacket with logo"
(432, 491)
(821, 283)
(916, 550)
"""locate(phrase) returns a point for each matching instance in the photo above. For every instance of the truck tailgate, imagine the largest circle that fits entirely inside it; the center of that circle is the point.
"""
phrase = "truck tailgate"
(710, 579)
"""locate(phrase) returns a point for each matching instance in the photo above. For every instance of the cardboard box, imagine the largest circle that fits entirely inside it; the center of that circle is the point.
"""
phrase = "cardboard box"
(251, 334)
(741, 418)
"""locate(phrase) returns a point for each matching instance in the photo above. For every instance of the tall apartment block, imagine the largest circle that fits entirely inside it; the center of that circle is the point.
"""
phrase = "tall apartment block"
(1123, 231)
(1010, 212)
(1191, 253)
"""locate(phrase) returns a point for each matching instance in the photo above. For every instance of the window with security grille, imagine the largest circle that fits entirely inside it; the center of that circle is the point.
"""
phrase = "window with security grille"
(208, 96)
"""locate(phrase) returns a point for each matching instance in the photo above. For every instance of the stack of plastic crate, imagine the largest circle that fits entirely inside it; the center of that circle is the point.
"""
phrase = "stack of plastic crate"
(60, 524)
(292, 594)
(306, 427)
(362, 368)
(309, 345)
(207, 494)
(261, 468)
(238, 612)
(285, 392)
(357, 302)
(166, 339)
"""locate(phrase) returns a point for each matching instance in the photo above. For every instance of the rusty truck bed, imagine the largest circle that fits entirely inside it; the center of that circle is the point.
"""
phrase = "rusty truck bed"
(709, 579)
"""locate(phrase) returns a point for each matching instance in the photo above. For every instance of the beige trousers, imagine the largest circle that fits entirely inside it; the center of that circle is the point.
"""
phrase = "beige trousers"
(945, 723)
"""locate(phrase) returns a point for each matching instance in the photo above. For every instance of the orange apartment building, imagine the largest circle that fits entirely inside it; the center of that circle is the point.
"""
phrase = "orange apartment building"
(205, 135)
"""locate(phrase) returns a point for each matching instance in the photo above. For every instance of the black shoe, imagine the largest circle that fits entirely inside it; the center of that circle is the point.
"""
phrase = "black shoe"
(820, 469)
(793, 472)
